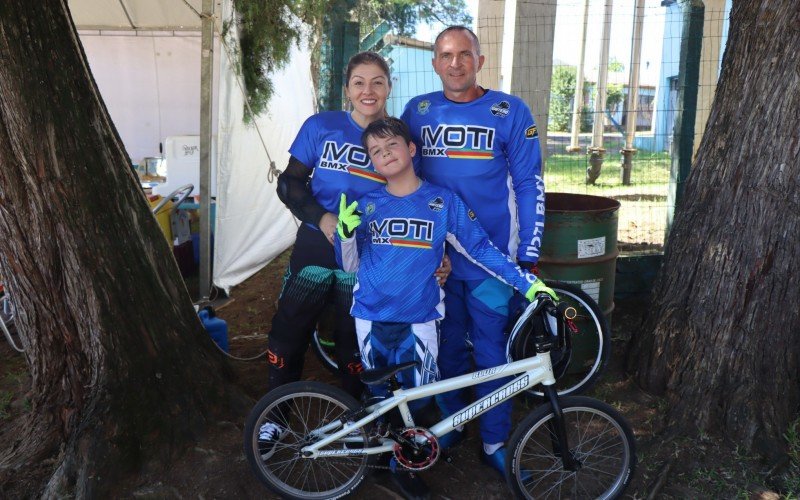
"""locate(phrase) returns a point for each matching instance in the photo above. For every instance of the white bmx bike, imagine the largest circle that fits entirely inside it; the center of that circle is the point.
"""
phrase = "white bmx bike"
(326, 442)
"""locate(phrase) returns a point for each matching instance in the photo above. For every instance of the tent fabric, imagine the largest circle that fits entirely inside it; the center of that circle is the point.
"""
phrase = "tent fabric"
(138, 14)
(253, 226)
(151, 84)
(155, 92)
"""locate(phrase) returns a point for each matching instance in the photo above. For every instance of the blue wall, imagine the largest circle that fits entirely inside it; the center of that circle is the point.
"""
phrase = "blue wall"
(412, 75)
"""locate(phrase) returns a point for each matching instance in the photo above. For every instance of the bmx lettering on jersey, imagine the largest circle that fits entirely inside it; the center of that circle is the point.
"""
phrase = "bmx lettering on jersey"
(437, 142)
(341, 156)
(538, 229)
(402, 232)
(491, 400)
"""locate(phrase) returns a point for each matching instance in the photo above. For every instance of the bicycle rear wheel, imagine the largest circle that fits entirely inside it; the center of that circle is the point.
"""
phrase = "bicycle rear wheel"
(297, 409)
(579, 372)
(599, 439)
(325, 348)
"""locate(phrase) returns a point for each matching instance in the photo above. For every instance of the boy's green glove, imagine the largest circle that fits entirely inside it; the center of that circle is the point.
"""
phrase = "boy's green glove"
(349, 218)
(538, 286)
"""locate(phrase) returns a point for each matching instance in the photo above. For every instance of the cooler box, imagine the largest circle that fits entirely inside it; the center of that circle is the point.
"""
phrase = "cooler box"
(182, 164)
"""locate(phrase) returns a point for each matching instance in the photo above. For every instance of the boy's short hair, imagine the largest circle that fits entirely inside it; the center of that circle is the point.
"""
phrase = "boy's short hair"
(386, 127)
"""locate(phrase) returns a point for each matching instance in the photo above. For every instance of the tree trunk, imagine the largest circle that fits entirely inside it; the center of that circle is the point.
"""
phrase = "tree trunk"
(122, 371)
(722, 339)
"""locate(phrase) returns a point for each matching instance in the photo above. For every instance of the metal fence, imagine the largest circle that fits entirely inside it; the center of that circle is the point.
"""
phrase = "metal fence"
(676, 50)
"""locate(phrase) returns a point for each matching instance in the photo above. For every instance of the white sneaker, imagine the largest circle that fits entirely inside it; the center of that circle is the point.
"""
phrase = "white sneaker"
(269, 435)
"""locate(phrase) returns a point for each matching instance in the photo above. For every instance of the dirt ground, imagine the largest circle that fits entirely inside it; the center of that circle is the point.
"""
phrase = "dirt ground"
(669, 467)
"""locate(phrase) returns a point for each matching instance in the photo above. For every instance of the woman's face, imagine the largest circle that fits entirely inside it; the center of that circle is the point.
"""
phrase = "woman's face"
(368, 89)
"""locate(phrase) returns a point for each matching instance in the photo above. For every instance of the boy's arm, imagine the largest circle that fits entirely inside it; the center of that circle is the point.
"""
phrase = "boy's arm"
(348, 236)
(467, 237)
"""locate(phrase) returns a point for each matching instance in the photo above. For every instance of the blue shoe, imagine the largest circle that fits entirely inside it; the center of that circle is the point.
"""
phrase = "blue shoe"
(452, 438)
(497, 461)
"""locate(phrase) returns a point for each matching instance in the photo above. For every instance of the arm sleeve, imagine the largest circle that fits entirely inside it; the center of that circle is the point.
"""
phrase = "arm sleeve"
(525, 166)
(468, 238)
(348, 250)
(294, 191)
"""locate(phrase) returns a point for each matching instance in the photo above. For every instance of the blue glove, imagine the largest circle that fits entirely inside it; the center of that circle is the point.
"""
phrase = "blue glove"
(349, 218)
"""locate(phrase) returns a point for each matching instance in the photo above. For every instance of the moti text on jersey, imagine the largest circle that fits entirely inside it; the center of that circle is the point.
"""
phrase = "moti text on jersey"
(470, 142)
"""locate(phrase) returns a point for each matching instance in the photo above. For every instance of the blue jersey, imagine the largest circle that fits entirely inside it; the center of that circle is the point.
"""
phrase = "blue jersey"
(400, 243)
(330, 144)
(487, 152)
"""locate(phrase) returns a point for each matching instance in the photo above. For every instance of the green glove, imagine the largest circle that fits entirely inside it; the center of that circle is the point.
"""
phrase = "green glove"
(349, 218)
(538, 286)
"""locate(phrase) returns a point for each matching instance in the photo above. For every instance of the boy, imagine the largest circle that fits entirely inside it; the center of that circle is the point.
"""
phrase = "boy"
(394, 242)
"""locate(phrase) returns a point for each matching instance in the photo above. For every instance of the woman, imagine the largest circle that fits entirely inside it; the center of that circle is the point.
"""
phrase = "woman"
(327, 159)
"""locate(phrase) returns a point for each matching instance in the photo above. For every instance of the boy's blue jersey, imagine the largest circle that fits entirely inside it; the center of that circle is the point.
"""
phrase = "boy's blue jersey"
(487, 152)
(399, 245)
(330, 144)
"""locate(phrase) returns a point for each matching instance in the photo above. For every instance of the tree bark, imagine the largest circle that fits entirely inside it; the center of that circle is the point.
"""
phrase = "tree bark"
(122, 371)
(722, 338)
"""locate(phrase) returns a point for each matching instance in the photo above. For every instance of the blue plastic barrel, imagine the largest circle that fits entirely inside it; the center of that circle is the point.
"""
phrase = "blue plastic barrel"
(216, 327)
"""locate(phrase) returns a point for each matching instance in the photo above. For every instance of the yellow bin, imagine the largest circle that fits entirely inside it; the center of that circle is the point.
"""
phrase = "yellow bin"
(162, 217)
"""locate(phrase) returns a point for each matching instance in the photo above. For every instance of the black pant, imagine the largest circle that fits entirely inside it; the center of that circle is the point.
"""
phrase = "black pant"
(313, 280)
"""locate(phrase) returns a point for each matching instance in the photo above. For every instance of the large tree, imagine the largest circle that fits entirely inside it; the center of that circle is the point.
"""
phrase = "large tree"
(121, 369)
(722, 338)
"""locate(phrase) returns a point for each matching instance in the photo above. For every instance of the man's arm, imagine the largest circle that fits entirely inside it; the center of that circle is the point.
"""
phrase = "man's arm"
(525, 165)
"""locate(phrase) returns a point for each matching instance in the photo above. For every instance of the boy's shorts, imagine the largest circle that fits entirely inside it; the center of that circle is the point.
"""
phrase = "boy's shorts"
(384, 344)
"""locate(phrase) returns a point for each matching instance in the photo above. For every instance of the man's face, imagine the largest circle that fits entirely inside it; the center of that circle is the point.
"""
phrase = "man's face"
(457, 62)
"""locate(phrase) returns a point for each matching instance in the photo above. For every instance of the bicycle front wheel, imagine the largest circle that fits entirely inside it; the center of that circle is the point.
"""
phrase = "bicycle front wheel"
(591, 345)
(293, 411)
(599, 439)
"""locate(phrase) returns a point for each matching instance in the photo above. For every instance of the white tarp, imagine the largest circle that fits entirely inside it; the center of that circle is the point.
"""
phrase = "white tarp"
(150, 82)
(253, 226)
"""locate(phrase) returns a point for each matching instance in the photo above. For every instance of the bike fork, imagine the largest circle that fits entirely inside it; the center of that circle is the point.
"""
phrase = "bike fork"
(558, 431)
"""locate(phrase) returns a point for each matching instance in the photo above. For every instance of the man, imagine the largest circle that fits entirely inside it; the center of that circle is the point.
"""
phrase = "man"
(483, 145)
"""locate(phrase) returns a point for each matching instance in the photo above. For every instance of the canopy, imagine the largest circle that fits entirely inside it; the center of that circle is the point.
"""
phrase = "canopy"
(145, 57)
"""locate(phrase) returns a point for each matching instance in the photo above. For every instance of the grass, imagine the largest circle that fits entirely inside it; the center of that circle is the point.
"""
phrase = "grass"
(643, 211)
(649, 175)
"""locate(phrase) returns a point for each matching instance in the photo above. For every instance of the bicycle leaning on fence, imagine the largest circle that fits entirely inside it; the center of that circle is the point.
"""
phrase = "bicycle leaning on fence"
(326, 442)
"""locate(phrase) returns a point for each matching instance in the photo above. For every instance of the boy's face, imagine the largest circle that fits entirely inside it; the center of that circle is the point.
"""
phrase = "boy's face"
(391, 156)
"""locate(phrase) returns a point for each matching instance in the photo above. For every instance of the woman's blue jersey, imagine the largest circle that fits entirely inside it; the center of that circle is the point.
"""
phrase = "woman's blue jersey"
(400, 243)
(330, 144)
(487, 152)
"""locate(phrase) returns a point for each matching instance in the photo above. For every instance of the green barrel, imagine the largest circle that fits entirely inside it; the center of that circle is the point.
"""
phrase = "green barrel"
(579, 247)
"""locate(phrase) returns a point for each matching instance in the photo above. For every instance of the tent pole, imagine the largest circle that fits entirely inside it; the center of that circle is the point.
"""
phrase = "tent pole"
(206, 76)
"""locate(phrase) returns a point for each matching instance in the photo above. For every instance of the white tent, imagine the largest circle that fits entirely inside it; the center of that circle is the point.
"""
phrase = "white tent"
(145, 56)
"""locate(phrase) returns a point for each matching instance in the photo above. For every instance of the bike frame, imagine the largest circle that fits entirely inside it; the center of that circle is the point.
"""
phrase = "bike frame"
(531, 371)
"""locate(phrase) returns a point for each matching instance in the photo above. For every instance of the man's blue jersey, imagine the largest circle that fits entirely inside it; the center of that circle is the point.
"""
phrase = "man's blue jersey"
(487, 151)
(330, 144)
(400, 243)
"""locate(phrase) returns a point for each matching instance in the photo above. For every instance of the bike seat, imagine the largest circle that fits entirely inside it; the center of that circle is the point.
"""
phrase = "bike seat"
(380, 375)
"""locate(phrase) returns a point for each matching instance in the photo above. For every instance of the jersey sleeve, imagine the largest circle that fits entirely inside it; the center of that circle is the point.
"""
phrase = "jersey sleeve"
(304, 147)
(468, 238)
(348, 250)
(525, 165)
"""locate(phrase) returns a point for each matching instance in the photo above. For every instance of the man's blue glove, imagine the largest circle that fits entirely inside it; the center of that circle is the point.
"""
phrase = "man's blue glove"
(538, 286)
(349, 218)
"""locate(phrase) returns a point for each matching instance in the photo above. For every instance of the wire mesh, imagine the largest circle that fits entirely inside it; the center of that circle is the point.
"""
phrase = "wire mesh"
(536, 54)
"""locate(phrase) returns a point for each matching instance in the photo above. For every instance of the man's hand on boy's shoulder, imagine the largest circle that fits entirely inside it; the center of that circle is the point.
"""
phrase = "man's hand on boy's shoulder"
(349, 218)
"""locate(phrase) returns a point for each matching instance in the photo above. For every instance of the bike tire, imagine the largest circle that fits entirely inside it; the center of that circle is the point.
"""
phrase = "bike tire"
(581, 373)
(598, 437)
(300, 407)
(325, 349)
